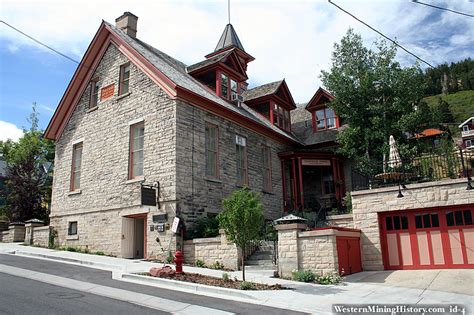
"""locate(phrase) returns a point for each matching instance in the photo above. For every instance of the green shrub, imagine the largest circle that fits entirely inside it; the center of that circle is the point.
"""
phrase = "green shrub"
(200, 264)
(52, 237)
(244, 285)
(225, 276)
(100, 253)
(217, 265)
(72, 249)
(304, 276)
(204, 227)
(331, 278)
(170, 258)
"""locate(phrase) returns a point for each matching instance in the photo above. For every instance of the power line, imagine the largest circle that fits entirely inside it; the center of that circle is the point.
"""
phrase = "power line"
(39, 42)
(63, 54)
(441, 8)
(381, 34)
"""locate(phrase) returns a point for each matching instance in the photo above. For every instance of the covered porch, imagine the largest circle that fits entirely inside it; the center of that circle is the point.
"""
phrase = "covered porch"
(312, 181)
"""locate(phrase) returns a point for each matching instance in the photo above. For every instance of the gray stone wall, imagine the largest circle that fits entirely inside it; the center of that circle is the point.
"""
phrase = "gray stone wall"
(199, 195)
(367, 204)
(41, 236)
(106, 193)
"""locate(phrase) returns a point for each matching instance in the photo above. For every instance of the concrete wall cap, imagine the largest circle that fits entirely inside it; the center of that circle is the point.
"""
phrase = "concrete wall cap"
(340, 216)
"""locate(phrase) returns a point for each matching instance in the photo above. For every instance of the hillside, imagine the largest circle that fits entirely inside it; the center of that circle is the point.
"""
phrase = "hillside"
(460, 103)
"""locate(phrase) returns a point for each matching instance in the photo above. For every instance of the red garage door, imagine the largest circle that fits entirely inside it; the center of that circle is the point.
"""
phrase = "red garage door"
(429, 238)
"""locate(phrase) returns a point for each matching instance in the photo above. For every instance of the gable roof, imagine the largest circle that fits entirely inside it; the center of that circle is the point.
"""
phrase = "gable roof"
(320, 93)
(167, 72)
(430, 132)
(229, 38)
(466, 122)
(214, 59)
(269, 89)
(222, 58)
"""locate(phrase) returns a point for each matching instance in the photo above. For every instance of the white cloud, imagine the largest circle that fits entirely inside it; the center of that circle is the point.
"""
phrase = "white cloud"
(290, 39)
(9, 131)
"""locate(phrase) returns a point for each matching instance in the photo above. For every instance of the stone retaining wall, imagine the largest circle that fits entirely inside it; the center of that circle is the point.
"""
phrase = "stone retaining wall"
(210, 250)
(41, 236)
(341, 220)
(314, 250)
(367, 204)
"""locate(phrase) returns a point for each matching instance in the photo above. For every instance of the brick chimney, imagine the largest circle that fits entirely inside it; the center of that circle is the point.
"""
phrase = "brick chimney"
(127, 23)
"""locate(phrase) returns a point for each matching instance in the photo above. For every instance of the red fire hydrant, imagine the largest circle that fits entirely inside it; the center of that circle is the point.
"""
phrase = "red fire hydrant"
(178, 260)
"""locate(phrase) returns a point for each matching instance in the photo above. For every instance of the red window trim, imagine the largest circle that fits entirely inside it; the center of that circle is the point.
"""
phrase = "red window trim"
(229, 90)
(130, 150)
(122, 71)
(315, 121)
(286, 123)
(73, 166)
(217, 136)
(267, 156)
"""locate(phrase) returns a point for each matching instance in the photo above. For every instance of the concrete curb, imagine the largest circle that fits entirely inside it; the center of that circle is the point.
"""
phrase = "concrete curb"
(68, 260)
(187, 286)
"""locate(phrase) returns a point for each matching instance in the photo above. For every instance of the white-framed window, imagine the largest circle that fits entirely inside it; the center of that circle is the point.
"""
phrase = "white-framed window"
(465, 128)
(137, 135)
(241, 159)
(76, 167)
(468, 143)
(72, 228)
(212, 150)
(124, 80)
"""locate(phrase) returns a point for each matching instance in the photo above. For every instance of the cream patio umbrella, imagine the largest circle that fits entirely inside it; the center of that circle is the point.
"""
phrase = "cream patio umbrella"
(394, 160)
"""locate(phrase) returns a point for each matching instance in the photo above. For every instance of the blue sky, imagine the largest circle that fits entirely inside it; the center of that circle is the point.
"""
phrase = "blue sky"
(289, 39)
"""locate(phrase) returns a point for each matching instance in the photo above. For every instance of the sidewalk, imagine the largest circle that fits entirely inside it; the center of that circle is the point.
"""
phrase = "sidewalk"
(361, 288)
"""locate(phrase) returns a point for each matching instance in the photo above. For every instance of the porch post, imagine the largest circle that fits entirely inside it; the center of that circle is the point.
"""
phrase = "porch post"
(300, 171)
(341, 177)
(283, 178)
(293, 171)
(335, 177)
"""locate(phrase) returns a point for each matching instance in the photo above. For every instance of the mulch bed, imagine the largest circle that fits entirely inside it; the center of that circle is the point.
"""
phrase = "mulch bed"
(217, 282)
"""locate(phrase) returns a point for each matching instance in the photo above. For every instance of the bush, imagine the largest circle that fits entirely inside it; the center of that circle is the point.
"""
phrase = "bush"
(204, 227)
(200, 264)
(72, 249)
(170, 258)
(244, 285)
(99, 253)
(331, 278)
(217, 265)
(304, 276)
(225, 276)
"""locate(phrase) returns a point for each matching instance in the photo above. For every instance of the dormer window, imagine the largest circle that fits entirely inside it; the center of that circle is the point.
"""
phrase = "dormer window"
(325, 119)
(234, 89)
(224, 86)
(465, 128)
(280, 117)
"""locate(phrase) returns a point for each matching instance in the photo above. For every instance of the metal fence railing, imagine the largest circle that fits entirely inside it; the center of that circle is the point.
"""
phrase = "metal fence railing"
(422, 168)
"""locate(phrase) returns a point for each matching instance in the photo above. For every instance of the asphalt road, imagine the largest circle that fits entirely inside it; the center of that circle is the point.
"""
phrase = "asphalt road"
(25, 296)
(105, 278)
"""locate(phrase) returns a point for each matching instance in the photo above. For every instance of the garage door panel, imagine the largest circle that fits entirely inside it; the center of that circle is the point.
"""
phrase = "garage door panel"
(405, 245)
(437, 246)
(455, 247)
(423, 249)
(392, 242)
(469, 240)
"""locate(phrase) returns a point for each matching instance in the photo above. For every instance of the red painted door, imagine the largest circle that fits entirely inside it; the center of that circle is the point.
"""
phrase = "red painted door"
(435, 238)
(348, 253)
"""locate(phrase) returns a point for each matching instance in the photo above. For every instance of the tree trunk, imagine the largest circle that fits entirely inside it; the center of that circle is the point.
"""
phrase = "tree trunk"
(243, 263)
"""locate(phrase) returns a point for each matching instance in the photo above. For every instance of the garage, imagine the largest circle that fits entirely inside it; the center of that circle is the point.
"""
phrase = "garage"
(434, 238)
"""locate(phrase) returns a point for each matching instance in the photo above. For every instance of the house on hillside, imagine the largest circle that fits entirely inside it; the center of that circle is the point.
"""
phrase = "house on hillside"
(467, 133)
(134, 119)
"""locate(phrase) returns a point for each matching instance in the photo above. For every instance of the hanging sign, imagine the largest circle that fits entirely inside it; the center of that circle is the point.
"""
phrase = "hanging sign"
(313, 162)
(174, 227)
(148, 196)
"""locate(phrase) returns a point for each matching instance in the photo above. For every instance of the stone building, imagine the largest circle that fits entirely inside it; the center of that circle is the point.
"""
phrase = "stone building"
(134, 119)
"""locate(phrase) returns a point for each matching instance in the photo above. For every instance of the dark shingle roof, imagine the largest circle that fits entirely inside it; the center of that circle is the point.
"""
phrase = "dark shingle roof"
(210, 61)
(262, 90)
(176, 71)
(229, 38)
